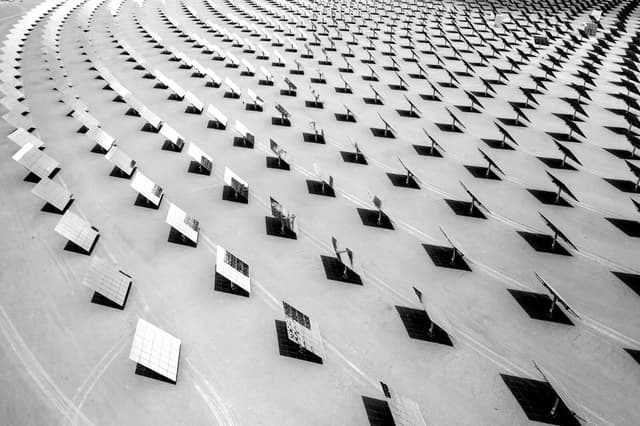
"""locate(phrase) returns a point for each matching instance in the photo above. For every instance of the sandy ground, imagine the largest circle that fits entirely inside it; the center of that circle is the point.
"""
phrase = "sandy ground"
(65, 360)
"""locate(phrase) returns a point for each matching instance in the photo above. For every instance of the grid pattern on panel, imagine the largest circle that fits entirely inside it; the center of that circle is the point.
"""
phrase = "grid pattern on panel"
(107, 280)
(36, 161)
(74, 228)
(156, 349)
(52, 192)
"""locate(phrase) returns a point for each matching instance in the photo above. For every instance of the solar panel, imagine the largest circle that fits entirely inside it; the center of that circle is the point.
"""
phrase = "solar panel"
(53, 193)
(183, 223)
(17, 120)
(156, 350)
(239, 186)
(151, 117)
(36, 161)
(233, 269)
(101, 138)
(217, 115)
(193, 100)
(171, 134)
(21, 137)
(121, 160)
(107, 280)
(77, 230)
(147, 188)
(231, 85)
(243, 131)
(200, 156)
(303, 331)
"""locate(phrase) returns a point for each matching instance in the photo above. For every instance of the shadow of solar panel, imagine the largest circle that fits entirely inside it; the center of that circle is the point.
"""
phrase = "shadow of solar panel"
(407, 113)
(382, 133)
(314, 104)
(119, 173)
(480, 172)
(378, 412)
(624, 185)
(97, 149)
(177, 238)
(345, 118)
(427, 151)
(34, 178)
(247, 74)
(448, 85)
(620, 130)
(623, 154)
(480, 94)
(317, 80)
(231, 95)
(402, 181)
(225, 285)
(279, 121)
(441, 256)
(369, 77)
(564, 137)
(556, 163)
(274, 228)
(228, 194)
(291, 349)
(82, 130)
(334, 270)
(253, 107)
(468, 109)
(497, 144)
(170, 146)
(417, 323)
(274, 163)
(372, 101)
(417, 76)
(449, 127)
(142, 201)
(99, 299)
(313, 138)
(352, 157)
(315, 187)
(432, 98)
(549, 197)
(631, 280)
(141, 370)
(345, 90)
(370, 218)
(242, 142)
(537, 306)
(285, 92)
(214, 124)
(537, 399)
(74, 248)
(629, 227)
(543, 243)
(635, 354)
(198, 169)
(507, 121)
(397, 87)
(464, 208)
(149, 128)
(49, 208)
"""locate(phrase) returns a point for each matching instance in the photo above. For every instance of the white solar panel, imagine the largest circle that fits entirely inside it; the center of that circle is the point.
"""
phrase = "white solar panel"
(234, 181)
(217, 115)
(233, 269)
(200, 156)
(156, 349)
(219, 51)
(52, 192)
(255, 98)
(266, 73)
(106, 279)
(36, 161)
(302, 330)
(405, 411)
(147, 188)
(16, 120)
(12, 104)
(213, 76)
(242, 130)
(170, 133)
(21, 137)
(183, 223)
(232, 58)
(151, 117)
(102, 138)
(120, 159)
(247, 64)
(232, 85)
(193, 100)
(77, 230)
